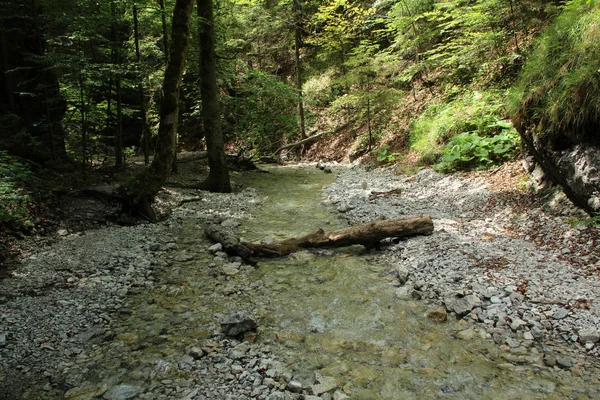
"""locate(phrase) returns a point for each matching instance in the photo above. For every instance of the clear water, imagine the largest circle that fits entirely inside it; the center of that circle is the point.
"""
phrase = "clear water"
(337, 312)
(333, 311)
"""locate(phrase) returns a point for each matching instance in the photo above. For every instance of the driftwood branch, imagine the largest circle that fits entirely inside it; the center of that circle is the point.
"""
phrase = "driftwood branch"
(369, 235)
(387, 194)
(310, 138)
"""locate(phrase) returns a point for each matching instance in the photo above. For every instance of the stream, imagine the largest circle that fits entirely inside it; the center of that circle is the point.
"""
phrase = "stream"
(334, 312)
(330, 322)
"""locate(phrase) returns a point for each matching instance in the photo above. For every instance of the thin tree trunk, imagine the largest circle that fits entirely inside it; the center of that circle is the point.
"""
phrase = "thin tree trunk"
(49, 121)
(84, 136)
(145, 140)
(116, 53)
(369, 121)
(298, 43)
(119, 159)
(218, 177)
(8, 86)
(108, 111)
(163, 18)
(141, 189)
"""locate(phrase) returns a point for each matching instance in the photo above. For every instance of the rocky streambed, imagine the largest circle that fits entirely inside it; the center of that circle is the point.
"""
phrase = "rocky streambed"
(137, 312)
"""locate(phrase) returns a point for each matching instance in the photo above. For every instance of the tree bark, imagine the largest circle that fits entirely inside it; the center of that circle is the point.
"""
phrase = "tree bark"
(218, 177)
(145, 140)
(142, 188)
(368, 235)
(298, 43)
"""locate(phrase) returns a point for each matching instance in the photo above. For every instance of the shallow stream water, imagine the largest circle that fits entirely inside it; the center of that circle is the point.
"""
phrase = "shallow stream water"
(335, 312)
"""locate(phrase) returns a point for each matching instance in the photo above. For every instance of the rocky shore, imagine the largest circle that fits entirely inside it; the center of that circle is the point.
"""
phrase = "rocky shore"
(513, 273)
(518, 270)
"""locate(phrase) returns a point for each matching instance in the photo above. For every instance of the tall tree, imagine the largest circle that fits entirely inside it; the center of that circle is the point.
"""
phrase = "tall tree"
(297, 44)
(218, 177)
(141, 189)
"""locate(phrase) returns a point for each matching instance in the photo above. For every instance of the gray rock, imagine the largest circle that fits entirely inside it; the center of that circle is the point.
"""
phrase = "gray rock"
(561, 313)
(276, 396)
(589, 335)
(215, 248)
(338, 395)
(461, 305)
(402, 274)
(325, 384)
(564, 362)
(196, 353)
(517, 323)
(237, 323)
(295, 387)
(122, 392)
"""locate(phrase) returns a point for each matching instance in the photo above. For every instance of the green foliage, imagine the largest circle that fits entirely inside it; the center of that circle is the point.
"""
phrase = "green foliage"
(558, 92)
(262, 112)
(592, 221)
(384, 156)
(14, 199)
(475, 112)
(469, 150)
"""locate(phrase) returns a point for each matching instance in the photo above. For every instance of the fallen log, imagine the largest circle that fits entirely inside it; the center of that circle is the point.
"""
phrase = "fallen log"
(310, 139)
(368, 235)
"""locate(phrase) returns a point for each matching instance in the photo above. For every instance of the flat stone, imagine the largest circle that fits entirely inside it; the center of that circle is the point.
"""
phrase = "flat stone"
(589, 335)
(517, 323)
(461, 305)
(564, 363)
(85, 392)
(215, 248)
(326, 384)
(340, 396)
(122, 392)
(561, 313)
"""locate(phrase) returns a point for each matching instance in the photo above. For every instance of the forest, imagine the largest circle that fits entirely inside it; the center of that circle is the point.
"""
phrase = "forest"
(164, 233)
(457, 85)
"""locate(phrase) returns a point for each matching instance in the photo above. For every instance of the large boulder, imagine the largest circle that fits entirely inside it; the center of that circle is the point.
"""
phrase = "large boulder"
(576, 168)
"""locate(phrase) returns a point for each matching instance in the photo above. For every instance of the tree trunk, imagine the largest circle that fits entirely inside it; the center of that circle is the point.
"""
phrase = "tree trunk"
(368, 235)
(163, 18)
(218, 177)
(298, 43)
(141, 189)
(8, 84)
(145, 140)
(84, 135)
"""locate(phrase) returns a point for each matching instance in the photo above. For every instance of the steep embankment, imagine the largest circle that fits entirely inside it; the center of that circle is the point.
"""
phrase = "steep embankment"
(556, 103)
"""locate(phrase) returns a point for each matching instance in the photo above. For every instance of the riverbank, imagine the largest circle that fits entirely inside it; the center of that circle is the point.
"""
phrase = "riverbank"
(129, 312)
(500, 258)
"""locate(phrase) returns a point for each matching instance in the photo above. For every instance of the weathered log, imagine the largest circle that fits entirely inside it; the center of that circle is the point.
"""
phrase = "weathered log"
(231, 244)
(368, 235)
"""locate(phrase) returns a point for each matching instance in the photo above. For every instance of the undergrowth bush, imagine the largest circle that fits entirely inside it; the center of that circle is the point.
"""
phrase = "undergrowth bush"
(476, 112)
(14, 199)
(469, 150)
